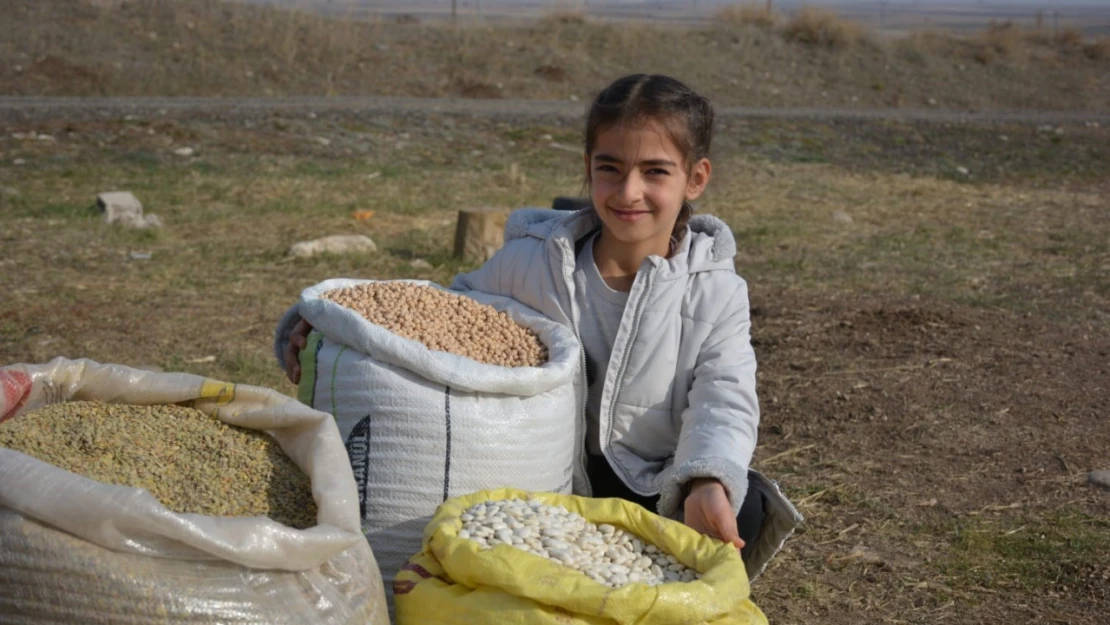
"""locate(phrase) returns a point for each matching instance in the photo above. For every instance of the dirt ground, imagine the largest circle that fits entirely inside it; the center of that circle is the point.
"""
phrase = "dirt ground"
(944, 446)
(934, 346)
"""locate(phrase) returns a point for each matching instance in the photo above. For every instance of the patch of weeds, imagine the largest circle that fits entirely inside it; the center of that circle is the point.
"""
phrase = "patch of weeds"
(431, 246)
(805, 590)
(392, 170)
(321, 169)
(808, 157)
(55, 210)
(795, 264)
(134, 236)
(141, 158)
(204, 167)
(256, 368)
(1036, 554)
(10, 331)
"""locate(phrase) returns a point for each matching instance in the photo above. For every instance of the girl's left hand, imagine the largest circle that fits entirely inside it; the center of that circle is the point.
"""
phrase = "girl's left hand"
(709, 512)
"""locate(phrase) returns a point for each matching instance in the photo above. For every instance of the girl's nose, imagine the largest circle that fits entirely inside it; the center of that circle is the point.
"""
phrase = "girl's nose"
(631, 189)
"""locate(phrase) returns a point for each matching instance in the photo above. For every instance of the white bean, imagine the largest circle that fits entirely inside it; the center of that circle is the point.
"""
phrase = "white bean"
(606, 554)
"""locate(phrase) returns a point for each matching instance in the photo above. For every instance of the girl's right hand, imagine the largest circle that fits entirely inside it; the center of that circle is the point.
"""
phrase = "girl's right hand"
(708, 511)
(298, 338)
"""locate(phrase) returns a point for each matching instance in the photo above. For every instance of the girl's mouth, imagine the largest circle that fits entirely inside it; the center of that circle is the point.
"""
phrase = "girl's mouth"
(629, 215)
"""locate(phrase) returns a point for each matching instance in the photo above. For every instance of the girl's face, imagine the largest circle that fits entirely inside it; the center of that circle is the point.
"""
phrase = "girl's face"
(638, 181)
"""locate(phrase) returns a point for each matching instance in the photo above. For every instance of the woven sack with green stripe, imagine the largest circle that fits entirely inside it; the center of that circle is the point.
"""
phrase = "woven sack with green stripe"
(424, 426)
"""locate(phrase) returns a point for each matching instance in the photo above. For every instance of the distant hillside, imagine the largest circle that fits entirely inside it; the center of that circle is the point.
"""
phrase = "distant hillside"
(743, 57)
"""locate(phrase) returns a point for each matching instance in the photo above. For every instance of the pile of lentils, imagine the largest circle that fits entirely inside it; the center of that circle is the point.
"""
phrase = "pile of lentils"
(606, 554)
(444, 321)
(189, 461)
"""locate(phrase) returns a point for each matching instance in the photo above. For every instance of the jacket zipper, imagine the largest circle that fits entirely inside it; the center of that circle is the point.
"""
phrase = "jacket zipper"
(623, 368)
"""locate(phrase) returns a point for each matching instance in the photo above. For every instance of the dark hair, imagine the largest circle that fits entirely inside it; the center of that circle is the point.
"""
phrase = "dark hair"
(687, 117)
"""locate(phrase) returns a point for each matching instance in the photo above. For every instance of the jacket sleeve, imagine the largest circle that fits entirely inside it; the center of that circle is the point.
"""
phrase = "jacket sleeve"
(718, 431)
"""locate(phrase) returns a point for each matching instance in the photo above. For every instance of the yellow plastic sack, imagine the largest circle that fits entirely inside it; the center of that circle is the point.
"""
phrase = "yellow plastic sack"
(452, 582)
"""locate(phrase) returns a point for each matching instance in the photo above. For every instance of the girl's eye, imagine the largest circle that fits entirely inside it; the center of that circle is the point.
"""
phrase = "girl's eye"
(656, 171)
(606, 168)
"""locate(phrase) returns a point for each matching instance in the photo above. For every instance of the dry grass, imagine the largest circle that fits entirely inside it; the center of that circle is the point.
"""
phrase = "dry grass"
(1098, 50)
(1007, 41)
(759, 16)
(818, 27)
(208, 47)
(563, 18)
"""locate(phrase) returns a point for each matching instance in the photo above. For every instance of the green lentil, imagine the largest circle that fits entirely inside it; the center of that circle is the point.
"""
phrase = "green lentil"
(189, 461)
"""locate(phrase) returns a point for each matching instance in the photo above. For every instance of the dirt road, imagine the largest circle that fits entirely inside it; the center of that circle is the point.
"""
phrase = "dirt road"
(29, 109)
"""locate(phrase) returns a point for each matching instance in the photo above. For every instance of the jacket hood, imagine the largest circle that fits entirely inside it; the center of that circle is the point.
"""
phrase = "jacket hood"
(708, 245)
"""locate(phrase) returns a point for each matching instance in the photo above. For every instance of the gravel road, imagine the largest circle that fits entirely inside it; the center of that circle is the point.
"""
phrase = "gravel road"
(31, 109)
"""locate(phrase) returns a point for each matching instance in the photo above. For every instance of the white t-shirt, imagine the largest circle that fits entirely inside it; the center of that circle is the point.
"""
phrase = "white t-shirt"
(601, 308)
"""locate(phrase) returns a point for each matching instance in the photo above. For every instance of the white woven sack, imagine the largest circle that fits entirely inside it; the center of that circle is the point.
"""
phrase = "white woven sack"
(77, 551)
(423, 426)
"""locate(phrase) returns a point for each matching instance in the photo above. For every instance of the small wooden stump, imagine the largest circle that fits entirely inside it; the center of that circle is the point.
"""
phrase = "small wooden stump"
(479, 233)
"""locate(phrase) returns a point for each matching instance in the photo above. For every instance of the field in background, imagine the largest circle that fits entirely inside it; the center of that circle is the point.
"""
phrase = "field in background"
(894, 18)
(744, 57)
(930, 310)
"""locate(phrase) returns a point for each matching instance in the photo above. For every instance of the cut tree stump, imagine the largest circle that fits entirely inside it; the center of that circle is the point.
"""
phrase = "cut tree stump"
(479, 233)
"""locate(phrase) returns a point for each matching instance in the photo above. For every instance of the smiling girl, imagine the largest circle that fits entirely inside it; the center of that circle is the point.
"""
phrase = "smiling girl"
(668, 382)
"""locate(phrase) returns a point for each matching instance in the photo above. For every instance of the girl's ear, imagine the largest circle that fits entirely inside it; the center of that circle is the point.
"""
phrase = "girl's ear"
(699, 178)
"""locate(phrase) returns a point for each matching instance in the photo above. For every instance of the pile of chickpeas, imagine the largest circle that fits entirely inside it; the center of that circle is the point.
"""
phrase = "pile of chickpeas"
(444, 321)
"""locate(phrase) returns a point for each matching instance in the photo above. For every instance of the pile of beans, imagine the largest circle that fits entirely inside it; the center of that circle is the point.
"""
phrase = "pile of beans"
(444, 321)
(187, 460)
(606, 554)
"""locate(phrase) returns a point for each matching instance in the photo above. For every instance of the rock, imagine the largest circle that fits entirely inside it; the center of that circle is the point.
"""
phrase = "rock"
(842, 217)
(19, 161)
(1100, 478)
(323, 141)
(963, 170)
(120, 207)
(335, 244)
(11, 192)
(185, 151)
(420, 263)
(140, 256)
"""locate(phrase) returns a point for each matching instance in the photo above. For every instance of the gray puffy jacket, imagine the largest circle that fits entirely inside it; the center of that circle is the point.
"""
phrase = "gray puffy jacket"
(679, 399)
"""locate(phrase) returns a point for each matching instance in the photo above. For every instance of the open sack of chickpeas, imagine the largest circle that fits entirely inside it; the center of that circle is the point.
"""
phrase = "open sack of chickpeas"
(438, 394)
(520, 558)
(128, 496)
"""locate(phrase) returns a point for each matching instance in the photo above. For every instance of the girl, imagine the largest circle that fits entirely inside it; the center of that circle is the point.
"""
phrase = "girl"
(652, 293)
